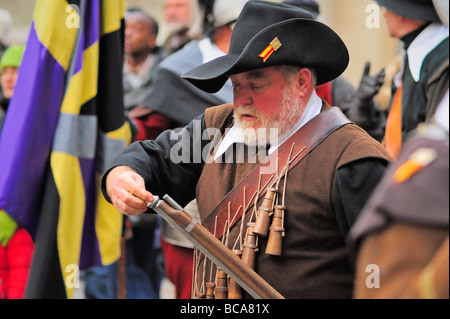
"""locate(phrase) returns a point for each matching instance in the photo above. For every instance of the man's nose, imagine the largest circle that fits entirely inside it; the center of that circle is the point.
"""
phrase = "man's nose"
(241, 97)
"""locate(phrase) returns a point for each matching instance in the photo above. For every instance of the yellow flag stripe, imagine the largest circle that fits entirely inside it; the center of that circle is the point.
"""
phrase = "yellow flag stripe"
(123, 133)
(108, 226)
(51, 28)
(69, 182)
(83, 85)
(113, 11)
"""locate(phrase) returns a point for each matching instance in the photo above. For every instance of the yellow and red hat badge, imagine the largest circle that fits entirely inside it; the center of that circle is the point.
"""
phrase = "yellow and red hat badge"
(271, 48)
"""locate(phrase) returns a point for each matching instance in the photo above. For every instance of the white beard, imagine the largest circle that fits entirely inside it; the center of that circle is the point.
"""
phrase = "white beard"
(277, 125)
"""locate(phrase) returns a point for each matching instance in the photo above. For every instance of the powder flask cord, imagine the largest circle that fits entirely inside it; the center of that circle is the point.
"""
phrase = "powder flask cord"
(262, 222)
(274, 243)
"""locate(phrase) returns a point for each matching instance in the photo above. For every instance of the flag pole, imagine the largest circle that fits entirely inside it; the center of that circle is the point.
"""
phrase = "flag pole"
(121, 272)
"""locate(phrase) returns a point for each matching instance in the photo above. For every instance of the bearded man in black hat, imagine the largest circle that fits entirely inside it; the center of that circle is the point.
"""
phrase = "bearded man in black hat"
(319, 167)
(425, 40)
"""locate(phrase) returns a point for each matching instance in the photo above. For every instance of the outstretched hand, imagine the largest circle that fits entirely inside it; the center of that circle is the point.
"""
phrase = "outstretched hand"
(127, 192)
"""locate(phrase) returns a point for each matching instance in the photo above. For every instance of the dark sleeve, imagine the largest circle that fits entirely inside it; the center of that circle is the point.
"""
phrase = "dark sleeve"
(354, 184)
(176, 98)
(171, 164)
(343, 93)
(366, 114)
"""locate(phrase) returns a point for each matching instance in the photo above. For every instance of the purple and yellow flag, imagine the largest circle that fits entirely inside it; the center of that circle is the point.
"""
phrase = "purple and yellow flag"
(65, 124)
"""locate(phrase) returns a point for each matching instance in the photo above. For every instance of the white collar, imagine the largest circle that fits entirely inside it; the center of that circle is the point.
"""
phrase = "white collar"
(441, 114)
(209, 50)
(231, 136)
(423, 44)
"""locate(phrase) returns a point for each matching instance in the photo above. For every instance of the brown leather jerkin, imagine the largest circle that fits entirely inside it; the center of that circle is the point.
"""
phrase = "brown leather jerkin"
(301, 142)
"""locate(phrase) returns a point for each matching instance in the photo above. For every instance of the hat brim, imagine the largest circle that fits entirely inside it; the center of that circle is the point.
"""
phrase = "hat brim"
(304, 42)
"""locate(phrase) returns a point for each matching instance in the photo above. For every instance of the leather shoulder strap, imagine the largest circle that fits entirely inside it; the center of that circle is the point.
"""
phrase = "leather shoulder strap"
(300, 143)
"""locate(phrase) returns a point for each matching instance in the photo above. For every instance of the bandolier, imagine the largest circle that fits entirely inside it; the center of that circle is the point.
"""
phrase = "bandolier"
(309, 240)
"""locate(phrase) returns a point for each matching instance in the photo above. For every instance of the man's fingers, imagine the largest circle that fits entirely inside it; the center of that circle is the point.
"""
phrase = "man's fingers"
(381, 76)
(130, 207)
(366, 69)
(127, 192)
(138, 189)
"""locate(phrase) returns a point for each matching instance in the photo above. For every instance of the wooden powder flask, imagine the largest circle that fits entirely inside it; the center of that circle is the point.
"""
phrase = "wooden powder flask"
(221, 288)
(274, 243)
(234, 290)
(262, 222)
(200, 295)
(249, 252)
(212, 248)
(210, 290)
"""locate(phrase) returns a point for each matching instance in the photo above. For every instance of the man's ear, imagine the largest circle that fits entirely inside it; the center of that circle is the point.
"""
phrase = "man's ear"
(151, 43)
(304, 80)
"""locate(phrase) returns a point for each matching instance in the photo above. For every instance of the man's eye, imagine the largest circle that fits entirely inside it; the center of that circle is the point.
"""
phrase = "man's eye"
(257, 86)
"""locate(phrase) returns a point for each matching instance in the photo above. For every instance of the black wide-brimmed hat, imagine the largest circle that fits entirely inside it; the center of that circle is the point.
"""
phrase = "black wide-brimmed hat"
(309, 5)
(269, 34)
(422, 10)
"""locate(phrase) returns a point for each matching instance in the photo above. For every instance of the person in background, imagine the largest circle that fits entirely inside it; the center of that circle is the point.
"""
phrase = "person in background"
(16, 244)
(183, 21)
(5, 26)
(402, 236)
(169, 94)
(142, 56)
(425, 42)
(357, 104)
(9, 69)
(179, 102)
